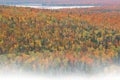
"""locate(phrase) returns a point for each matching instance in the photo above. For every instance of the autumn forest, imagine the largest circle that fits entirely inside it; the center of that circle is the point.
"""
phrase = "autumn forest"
(65, 40)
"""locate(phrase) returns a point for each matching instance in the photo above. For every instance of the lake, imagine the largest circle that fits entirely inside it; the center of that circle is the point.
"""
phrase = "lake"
(47, 6)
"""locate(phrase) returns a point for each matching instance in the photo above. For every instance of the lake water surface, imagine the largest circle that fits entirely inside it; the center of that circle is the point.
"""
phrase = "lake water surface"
(46, 6)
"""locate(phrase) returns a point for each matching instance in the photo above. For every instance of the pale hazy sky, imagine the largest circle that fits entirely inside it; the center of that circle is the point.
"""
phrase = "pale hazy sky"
(65, 1)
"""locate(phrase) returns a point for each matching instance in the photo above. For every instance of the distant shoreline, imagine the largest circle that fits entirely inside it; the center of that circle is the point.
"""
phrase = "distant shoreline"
(49, 6)
(54, 7)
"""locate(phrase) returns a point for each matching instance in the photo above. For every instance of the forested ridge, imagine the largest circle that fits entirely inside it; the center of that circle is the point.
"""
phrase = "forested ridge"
(59, 40)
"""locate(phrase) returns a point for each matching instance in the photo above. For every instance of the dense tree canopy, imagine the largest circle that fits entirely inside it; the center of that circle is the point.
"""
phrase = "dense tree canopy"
(77, 38)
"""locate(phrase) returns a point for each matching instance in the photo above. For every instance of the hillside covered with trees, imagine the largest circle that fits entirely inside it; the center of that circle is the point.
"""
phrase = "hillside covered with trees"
(41, 40)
